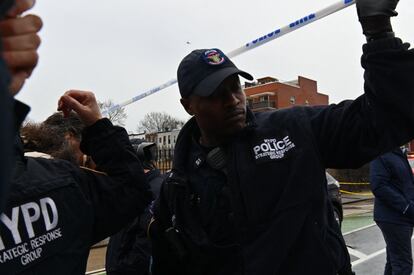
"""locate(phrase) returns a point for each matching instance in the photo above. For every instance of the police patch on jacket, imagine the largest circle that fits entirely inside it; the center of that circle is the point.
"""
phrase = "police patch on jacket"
(272, 148)
(27, 232)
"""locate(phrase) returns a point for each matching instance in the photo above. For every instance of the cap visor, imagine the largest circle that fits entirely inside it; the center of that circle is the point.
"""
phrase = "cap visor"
(210, 83)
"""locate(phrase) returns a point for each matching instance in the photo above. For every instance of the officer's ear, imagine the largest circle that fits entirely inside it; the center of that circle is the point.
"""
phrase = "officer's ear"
(186, 102)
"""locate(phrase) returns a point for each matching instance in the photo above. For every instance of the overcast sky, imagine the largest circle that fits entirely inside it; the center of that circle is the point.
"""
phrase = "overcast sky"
(121, 48)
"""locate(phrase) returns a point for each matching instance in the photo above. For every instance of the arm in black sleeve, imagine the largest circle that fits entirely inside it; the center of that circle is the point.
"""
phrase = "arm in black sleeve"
(354, 132)
(6, 132)
(13, 114)
(120, 194)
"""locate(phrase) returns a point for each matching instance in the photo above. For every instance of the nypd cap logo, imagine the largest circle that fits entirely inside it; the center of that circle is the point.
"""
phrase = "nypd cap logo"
(214, 57)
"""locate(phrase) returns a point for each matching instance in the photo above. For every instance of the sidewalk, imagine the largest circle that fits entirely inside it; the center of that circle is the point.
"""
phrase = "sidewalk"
(348, 197)
(357, 204)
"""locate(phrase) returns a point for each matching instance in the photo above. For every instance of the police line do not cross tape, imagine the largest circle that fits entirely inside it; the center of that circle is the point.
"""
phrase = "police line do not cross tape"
(279, 32)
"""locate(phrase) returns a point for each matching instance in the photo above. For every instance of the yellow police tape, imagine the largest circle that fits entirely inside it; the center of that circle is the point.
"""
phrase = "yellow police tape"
(356, 193)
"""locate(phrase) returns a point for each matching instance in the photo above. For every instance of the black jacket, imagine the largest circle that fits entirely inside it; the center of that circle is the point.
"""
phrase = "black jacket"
(392, 183)
(6, 133)
(276, 174)
(57, 210)
(129, 250)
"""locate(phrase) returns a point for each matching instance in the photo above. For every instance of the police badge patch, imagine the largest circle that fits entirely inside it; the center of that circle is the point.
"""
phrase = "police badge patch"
(213, 57)
(268, 149)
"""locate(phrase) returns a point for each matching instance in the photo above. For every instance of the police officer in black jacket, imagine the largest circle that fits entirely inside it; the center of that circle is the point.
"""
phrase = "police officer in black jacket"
(392, 183)
(56, 210)
(247, 192)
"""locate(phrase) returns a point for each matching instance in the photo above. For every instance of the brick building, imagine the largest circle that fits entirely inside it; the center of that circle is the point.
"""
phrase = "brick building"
(411, 147)
(269, 93)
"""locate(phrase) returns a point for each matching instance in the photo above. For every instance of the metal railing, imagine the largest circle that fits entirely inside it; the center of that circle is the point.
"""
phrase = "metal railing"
(262, 104)
(164, 159)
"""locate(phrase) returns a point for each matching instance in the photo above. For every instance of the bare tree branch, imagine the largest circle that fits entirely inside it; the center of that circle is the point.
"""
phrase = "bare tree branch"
(117, 116)
(158, 122)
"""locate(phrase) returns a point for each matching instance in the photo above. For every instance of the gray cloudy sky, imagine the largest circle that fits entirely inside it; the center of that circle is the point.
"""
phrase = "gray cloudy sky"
(120, 48)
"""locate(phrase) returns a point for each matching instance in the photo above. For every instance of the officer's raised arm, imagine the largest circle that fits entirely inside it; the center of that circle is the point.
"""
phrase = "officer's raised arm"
(123, 192)
(352, 133)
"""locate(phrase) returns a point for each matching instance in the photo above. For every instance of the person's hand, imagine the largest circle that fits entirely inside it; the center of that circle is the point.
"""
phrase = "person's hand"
(374, 16)
(83, 103)
(20, 43)
(368, 8)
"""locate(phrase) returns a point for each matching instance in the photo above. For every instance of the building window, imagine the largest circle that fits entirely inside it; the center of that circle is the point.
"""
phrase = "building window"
(159, 140)
(292, 100)
(263, 98)
(169, 139)
(163, 140)
(250, 102)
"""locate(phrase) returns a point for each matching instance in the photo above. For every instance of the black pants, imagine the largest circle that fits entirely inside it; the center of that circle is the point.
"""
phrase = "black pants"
(398, 240)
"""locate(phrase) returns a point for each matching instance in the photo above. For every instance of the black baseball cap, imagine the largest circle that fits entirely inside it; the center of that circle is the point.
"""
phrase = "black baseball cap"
(203, 70)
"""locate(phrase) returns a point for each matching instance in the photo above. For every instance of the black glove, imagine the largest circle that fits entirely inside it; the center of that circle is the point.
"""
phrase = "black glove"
(368, 8)
(374, 16)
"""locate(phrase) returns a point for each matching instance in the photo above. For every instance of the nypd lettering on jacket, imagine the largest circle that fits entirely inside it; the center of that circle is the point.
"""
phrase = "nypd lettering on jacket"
(26, 230)
(272, 148)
